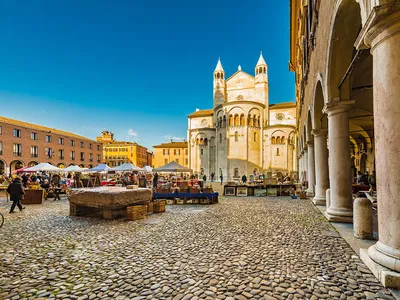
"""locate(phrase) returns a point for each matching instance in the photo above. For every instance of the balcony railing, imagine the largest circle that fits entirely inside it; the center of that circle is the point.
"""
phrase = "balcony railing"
(17, 153)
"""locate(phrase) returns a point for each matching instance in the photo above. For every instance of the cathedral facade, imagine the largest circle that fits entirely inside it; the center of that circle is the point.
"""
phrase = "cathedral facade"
(243, 133)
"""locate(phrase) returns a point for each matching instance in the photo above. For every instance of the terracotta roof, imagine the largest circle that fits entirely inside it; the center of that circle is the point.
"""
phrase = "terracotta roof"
(172, 145)
(202, 113)
(283, 105)
(42, 128)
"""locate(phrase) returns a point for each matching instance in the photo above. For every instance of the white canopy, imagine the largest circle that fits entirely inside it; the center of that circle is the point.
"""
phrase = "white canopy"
(173, 167)
(43, 167)
(125, 168)
(76, 169)
(99, 168)
(147, 169)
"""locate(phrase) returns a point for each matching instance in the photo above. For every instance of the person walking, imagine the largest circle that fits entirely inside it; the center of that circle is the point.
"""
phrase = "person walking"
(212, 177)
(221, 177)
(244, 179)
(16, 191)
(204, 180)
(155, 180)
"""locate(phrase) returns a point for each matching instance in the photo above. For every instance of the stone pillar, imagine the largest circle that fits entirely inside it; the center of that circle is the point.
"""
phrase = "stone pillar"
(310, 167)
(363, 224)
(305, 164)
(341, 208)
(382, 34)
(321, 166)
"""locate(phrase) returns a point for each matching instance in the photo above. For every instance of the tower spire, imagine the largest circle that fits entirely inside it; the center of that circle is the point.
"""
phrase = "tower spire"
(219, 66)
(261, 61)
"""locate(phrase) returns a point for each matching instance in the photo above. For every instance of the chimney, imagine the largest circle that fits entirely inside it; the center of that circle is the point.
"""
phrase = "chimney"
(171, 140)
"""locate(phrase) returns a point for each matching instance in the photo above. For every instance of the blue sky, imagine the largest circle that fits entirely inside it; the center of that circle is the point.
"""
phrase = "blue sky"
(136, 68)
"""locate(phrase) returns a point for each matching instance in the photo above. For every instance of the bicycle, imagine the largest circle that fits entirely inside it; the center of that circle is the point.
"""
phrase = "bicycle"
(1, 220)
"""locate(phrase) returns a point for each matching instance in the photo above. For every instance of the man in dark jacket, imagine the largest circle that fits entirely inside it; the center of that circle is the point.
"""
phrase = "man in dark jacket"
(16, 191)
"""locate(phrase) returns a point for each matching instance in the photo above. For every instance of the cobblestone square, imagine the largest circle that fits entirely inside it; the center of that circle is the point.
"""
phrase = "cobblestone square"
(241, 248)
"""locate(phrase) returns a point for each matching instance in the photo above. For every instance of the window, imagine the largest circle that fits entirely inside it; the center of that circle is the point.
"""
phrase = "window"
(186, 151)
(283, 140)
(34, 136)
(277, 152)
(273, 141)
(48, 152)
(17, 133)
(236, 172)
(236, 136)
(90, 146)
(90, 156)
(98, 147)
(242, 120)
(82, 156)
(177, 151)
(1, 130)
(82, 145)
(72, 143)
(61, 154)
(98, 157)
(186, 161)
(72, 155)
(255, 136)
(48, 138)
(278, 140)
(165, 161)
(165, 151)
(34, 151)
(220, 138)
(201, 151)
(61, 141)
(1, 148)
(17, 150)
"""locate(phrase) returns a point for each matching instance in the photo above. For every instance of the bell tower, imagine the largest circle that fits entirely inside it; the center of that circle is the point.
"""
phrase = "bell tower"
(261, 86)
(219, 84)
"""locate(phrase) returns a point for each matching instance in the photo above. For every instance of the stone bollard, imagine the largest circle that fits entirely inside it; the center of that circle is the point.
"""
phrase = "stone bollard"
(362, 219)
(328, 198)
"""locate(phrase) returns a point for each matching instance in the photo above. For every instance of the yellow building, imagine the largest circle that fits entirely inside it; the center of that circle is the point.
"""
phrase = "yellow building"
(116, 153)
(172, 151)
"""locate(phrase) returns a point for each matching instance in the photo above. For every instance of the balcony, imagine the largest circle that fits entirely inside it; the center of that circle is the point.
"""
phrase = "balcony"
(34, 155)
(17, 153)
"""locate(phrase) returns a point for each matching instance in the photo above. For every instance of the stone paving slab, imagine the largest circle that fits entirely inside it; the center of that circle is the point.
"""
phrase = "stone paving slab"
(241, 248)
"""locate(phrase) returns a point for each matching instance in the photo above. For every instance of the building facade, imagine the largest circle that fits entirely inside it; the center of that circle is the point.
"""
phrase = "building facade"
(23, 144)
(243, 133)
(172, 151)
(116, 153)
(345, 56)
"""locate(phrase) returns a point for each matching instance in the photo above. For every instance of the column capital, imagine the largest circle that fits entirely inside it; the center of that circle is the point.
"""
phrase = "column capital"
(319, 132)
(383, 21)
(310, 143)
(337, 106)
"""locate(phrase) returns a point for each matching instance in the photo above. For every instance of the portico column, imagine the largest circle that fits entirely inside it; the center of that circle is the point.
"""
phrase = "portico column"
(383, 35)
(310, 167)
(321, 166)
(305, 160)
(341, 209)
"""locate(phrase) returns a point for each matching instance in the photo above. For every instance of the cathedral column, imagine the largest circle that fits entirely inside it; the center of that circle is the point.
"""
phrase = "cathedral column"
(321, 166)
(305, 163)
(341, 208)
(383, 35)
(310, 167)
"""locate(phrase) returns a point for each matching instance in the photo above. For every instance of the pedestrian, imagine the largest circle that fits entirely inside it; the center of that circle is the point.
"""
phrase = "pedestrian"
(212, 177)
(221, 177)
(16, 191)
(244, 179)
(155, 181)
(204, 179)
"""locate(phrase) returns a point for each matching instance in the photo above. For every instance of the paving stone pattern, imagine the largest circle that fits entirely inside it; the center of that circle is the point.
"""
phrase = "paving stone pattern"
(242, 248)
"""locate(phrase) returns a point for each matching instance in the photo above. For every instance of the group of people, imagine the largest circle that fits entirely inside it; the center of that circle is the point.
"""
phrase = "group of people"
(366, 178)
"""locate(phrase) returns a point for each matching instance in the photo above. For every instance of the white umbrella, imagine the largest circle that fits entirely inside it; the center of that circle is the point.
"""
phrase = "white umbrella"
(126, 167)
(43, 167)
(74, 169)
(147, 169)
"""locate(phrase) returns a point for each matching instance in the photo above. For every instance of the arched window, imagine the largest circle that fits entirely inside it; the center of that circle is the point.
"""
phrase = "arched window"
(277, 152)
(283, 140)
(201, 151)
(258, 122)
(236, 172)
(236, 136)
(254, 120)
(220, 138)
(236, 120)
(224, 122)
(242, 120)
(273, 141)
(220, 122)
(230, 120)
(205, 142)
(250, 120)
(255, 136)
(278, 140)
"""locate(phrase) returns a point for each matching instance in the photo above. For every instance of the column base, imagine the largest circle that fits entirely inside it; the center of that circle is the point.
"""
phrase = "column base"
(319, 201)
(388, 278)
(339, 219)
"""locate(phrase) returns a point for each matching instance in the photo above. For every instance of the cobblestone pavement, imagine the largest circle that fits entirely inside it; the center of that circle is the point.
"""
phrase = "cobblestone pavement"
(242, 248)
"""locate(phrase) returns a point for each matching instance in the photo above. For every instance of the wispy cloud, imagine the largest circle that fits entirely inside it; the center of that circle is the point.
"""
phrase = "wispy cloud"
(132, 133)
(174, 138)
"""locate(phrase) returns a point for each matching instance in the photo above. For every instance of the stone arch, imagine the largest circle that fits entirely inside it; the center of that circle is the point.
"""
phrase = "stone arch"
(345, 27)
(237, 120)
(81, 165)
(32, 163)
(61, 165)
(3, 167)
(363, 162)
(320, 119)
(242, 120)
(309, 127)
(16, 164)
